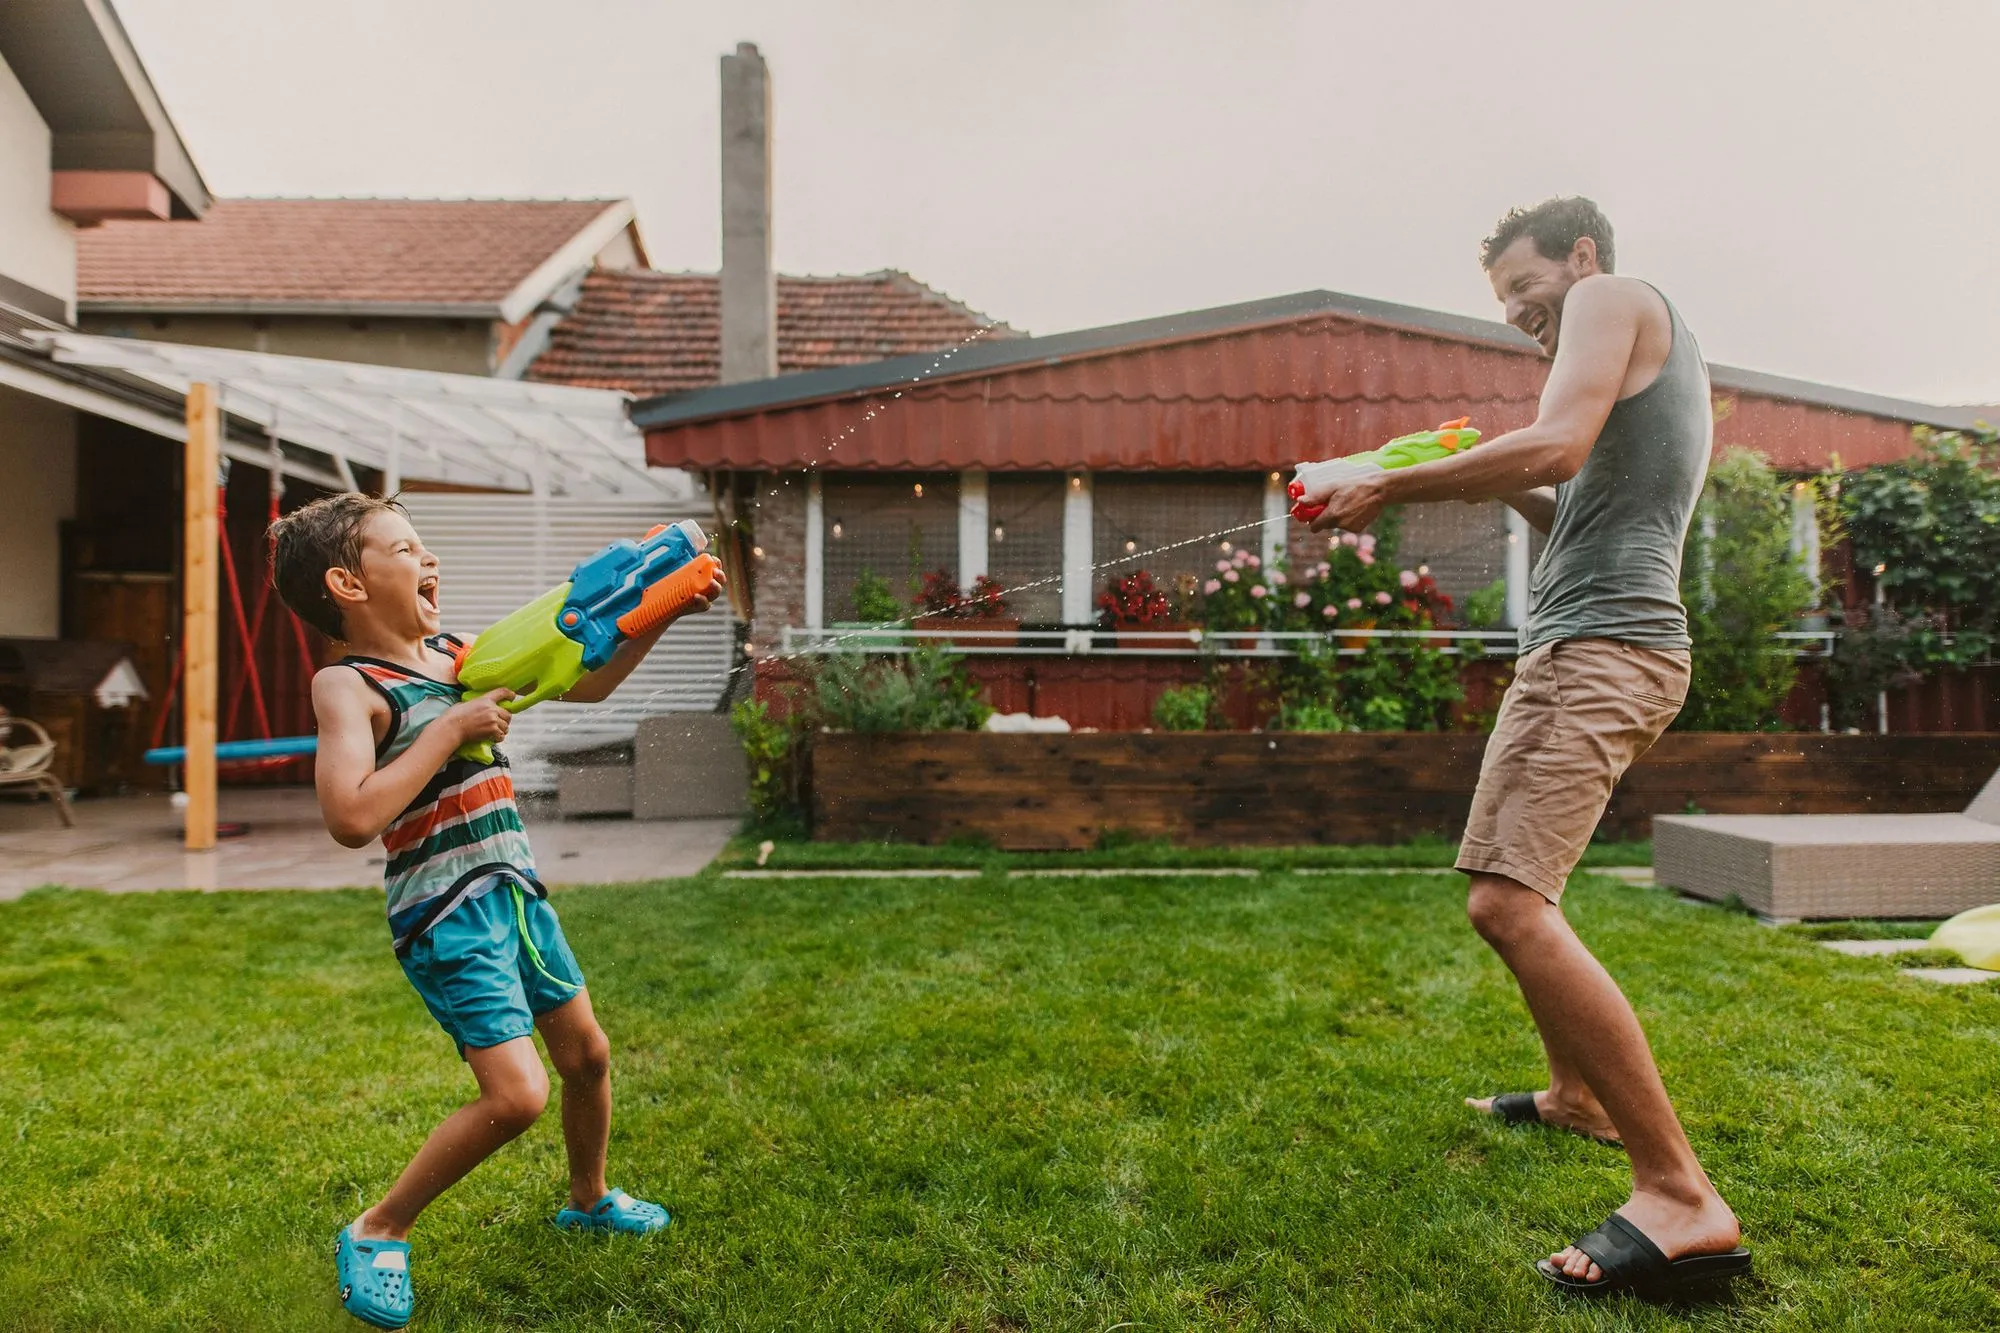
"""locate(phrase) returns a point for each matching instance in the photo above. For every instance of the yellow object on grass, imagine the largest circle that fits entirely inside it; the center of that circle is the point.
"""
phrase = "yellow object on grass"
(1973, 936)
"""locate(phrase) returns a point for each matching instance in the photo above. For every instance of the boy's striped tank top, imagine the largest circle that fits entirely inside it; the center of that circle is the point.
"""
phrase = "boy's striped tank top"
(462, 835)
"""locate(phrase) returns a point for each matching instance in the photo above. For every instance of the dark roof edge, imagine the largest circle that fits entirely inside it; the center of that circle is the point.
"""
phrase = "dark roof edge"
(1839, 399)
(975, 358)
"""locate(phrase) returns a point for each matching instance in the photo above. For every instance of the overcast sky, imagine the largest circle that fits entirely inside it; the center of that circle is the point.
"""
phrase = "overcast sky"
(1816, 183)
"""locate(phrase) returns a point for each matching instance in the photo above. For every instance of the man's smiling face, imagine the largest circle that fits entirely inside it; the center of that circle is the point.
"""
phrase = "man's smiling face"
(1532, 286)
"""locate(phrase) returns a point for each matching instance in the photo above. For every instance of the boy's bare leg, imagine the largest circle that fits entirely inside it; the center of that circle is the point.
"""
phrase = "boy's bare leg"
(581, 1053)
(1585, 1018)
(513, 1089)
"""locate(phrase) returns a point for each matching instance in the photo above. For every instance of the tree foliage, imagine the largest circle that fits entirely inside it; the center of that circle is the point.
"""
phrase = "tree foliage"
(1741, 583)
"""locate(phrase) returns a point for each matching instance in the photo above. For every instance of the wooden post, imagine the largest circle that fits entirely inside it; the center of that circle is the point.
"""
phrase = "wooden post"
(198, 612)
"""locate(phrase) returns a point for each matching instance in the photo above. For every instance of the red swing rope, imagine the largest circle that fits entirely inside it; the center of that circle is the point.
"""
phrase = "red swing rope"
(248, 631)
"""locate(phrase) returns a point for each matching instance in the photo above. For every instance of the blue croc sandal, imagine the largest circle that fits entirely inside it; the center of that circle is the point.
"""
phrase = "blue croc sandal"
(374, 1279)
(616, 1211)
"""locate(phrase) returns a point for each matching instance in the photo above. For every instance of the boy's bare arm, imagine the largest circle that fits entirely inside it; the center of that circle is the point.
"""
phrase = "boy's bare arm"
(598, 685)
(359, 800)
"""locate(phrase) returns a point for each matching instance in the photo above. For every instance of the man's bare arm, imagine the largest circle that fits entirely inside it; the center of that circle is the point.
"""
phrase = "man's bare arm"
(1537, 506)
(359, 800)
(1600, 329)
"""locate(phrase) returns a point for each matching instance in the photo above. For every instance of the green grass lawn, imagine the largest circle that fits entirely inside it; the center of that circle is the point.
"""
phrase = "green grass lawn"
(977, 1104)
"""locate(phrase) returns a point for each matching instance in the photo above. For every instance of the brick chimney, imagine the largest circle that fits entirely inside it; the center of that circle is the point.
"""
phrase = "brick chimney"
(749, 287)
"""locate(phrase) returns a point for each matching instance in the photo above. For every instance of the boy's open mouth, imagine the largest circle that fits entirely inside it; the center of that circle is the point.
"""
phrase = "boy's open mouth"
(427, 593)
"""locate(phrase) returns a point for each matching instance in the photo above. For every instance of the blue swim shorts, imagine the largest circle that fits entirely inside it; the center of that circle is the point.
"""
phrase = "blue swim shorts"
(492, 965)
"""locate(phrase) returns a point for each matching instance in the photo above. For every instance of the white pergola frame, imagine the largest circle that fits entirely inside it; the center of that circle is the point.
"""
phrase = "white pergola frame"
(461, 430)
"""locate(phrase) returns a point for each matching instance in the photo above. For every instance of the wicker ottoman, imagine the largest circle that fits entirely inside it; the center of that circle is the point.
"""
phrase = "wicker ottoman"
(1829, 867)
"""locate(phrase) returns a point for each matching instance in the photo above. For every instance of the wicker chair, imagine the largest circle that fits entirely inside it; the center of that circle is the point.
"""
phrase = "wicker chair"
(1835, 867)
(31, 764)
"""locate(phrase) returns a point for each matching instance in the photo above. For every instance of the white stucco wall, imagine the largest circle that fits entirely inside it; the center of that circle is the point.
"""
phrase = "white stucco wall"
(37, 492)
(36, 246)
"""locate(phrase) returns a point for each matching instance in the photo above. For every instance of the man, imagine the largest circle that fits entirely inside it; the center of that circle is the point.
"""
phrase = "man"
(1610, 470)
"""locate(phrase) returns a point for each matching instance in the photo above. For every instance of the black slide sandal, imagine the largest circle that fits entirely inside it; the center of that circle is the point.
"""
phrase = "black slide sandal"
(1629, 1261)
(1518, 1108)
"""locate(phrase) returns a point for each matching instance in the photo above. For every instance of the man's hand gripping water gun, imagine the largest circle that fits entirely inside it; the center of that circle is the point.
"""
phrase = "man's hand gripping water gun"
(627, 589)
(1425, 446)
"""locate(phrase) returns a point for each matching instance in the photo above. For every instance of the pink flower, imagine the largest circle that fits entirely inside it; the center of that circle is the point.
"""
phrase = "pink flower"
(1253, 562)
(1330, 612)
(1303, 600)
(1212, 586)
(1278, 577)
(1325, 569)
(1367, 541)
(1349, 539)
(1407, 579)
(1231, 575)
(1258, 591)
(1238, 556)
(1383, 599)
(1221, 565)
(1354, 603)
(1367, 558)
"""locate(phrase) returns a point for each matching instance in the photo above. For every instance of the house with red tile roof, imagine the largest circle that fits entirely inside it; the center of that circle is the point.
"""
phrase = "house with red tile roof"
(1057, 463)
(653, 333)
(428, 284)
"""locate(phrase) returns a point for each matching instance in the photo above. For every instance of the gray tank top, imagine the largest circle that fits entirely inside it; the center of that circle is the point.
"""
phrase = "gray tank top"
(1612, 566)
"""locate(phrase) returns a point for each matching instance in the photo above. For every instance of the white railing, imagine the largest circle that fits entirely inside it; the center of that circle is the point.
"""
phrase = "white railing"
(1177, 643)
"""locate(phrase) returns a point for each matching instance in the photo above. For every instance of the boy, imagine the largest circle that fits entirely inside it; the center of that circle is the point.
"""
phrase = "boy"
(471, 923)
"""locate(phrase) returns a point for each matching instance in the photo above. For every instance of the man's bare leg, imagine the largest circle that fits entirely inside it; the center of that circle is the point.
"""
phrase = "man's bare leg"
(1567, 1101)
(1586, 1020)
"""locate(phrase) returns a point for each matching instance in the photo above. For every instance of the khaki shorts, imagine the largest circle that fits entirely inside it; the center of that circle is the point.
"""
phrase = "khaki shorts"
(1577, 715)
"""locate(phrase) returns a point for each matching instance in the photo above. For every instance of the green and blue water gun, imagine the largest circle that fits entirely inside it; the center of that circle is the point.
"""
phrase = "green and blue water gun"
(627, 589)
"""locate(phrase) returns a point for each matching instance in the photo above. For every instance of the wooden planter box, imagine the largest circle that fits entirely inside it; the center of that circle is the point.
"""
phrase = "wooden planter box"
(1030, 792)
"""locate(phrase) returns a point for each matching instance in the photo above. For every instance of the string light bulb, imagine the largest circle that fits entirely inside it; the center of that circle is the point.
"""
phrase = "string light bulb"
(757, 551)
(919, 489)
(999, 532)
(838, 530)
(1130, 546)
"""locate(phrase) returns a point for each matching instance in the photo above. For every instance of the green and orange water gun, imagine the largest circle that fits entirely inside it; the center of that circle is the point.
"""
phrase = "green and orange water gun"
(1424, 446)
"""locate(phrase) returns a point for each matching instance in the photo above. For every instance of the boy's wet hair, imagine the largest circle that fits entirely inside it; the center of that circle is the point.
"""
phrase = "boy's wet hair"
(1555, 226)
(307, 542)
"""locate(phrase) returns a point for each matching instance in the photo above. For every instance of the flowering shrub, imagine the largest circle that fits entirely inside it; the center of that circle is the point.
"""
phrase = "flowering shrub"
(1133, 602)
(941, 595)
(1392, 684)
(1238, 594)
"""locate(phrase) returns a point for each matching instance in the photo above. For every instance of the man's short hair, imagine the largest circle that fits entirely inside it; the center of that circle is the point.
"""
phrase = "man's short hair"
(1554, 225)
(307, 542)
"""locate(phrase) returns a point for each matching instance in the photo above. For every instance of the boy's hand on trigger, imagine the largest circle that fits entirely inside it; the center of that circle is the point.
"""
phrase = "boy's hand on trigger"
(481, 719)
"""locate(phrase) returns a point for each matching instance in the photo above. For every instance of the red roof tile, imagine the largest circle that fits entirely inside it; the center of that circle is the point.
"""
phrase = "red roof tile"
(267, 253)
(654, 333)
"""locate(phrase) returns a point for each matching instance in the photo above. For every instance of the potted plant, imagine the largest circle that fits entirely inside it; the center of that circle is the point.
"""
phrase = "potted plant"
(945, 606)
(1137, 607)
(875, 606)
